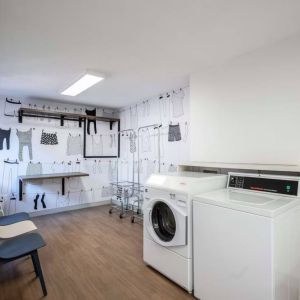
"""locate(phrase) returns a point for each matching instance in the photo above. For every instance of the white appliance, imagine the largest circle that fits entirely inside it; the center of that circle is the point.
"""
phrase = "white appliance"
(246, 239)
(168, 221)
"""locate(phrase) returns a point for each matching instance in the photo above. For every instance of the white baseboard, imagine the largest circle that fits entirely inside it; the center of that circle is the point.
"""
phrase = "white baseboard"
(67, 208)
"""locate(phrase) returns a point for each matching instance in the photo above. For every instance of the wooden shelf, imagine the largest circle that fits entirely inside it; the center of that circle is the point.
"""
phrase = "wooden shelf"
(61, 176)
(62, 116)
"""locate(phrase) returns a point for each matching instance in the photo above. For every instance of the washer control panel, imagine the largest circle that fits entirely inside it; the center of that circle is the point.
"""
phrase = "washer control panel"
(264, 183)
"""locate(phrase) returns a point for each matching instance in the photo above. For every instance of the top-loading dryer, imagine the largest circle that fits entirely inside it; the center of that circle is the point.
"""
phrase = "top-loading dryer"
(168, 221)
(246, 239)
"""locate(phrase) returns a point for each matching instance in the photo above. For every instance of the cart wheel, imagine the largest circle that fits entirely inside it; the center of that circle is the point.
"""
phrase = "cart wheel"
(121, 216)
(110, 211)
(132, 219)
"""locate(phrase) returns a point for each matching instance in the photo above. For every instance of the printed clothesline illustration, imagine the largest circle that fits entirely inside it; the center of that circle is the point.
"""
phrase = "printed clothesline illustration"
(150, 100)
(60, 199)
(11, 107)
(162, 108)
(11, 170)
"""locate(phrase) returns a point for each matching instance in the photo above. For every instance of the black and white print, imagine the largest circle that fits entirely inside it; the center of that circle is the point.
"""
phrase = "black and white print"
(49, 138)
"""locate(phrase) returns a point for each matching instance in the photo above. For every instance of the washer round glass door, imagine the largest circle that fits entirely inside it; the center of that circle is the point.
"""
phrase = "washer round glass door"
(163, 221)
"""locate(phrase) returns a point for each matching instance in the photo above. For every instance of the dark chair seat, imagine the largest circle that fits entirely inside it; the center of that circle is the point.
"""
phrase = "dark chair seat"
(15, 218)
(21, 245)
(24, 245)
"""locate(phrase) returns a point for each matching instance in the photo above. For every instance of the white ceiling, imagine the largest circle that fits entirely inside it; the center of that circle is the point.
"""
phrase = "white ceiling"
(144, 47)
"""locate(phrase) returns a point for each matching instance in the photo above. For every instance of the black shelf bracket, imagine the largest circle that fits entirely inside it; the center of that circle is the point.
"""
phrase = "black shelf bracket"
(20, 116)
(111, 123)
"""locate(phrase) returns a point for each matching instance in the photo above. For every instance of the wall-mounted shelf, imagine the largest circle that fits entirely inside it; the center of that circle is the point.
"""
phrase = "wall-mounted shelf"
(65, 116)
(62, 116)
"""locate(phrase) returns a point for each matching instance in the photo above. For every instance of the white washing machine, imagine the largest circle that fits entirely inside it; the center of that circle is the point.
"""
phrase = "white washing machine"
(168, 221)
(246, 239)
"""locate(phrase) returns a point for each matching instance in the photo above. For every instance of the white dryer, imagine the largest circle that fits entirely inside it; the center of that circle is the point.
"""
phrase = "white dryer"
(246, 239)
(168, 221)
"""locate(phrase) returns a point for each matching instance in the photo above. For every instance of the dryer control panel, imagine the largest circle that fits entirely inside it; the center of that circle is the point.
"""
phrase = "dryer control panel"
(264, 183)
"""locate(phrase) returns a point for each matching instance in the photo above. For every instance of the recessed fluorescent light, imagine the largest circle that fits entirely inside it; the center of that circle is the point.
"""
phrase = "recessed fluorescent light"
(85, 82)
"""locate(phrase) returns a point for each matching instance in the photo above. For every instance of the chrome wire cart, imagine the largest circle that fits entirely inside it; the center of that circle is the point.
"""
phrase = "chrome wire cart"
(137, 203)
(125, 198)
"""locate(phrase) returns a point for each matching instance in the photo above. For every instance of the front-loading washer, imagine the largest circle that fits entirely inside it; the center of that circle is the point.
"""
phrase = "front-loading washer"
(168, 221)
(246, 239)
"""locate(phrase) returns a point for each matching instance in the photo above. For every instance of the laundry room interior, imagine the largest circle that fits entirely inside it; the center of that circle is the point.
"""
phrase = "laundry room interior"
(150, 150)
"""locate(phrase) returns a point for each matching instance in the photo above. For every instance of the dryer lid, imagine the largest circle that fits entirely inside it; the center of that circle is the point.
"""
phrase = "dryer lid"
(186, 182)
(250, 202)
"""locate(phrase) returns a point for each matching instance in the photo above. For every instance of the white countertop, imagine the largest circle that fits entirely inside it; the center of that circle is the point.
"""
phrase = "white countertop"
(245, 166)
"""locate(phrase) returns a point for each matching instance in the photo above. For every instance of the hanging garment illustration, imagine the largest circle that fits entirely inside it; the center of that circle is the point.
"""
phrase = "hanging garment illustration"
(34, 168)
(5, 136)
(186, 132)
(150, 167)
(97, 144)
(134, 117)
(146, 140)
(112, 171)
(25, 140)
(164, 108)
(11, 107)
(136, 166)
(132, 140)
(174, 133)
(42, 201)
(141, 167)
(107, 113)
(89, 122)
(123, 119)
(74, 145)
(113, 141)
(177, 104)
(146, 108)
(10, 172)
(49, 138)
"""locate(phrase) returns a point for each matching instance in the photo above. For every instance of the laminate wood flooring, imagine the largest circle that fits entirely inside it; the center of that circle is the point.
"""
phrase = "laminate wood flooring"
(89, 255)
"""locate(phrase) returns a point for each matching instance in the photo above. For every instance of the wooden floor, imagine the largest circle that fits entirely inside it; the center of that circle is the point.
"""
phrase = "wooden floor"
(89, 255)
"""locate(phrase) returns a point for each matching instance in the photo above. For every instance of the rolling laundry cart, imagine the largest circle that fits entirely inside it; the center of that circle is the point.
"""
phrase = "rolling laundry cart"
(137, 203)
(122, 191)
(125, 198)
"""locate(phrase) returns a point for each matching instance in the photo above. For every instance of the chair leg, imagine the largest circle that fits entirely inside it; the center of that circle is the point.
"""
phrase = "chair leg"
(34, 265)
(36, 260)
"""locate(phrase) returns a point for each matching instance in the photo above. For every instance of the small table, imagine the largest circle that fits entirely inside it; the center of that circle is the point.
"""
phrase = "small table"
(24, 178)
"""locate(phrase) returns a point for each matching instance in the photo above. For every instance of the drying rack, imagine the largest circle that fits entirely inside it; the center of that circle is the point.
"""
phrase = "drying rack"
(122, 193)
(136, 206)
(127, 196)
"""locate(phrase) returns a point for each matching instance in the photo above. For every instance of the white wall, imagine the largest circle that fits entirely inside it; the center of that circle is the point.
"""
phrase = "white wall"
(248, 110)
(54, 159)
(155, 110)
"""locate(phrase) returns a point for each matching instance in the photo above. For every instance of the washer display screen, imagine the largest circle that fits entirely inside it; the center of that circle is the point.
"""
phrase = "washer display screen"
(270, 185)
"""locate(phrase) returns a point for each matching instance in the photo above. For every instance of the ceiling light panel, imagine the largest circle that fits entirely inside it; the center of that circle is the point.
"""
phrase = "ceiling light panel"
(85, 82)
